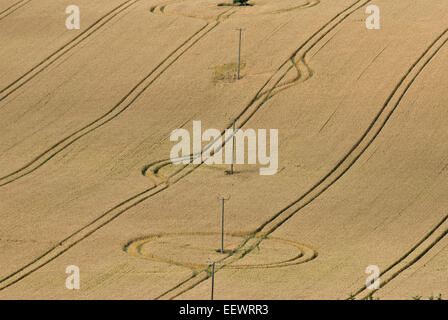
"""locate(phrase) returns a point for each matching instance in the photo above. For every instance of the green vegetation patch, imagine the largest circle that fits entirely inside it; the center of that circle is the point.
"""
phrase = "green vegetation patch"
(228, 72)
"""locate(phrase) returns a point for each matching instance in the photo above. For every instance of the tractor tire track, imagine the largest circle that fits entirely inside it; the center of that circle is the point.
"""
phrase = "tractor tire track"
(359, 148)
(136, 247)
(119, 108)
(248, 245)
(59, 53)
(161, 11)
(308, 4)
(16, 6)
(277, 220)
(110, 215)
(76, 237)
(436, 234)
(275, 84)
(418, 251)
(334, 175)
(257, 237)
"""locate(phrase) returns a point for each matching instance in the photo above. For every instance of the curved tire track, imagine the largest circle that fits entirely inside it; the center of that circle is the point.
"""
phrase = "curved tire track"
(297, 63)
(417, 252)
(336, 173)
(137, 248)
(44, 64)
(120, 107)
(437, 233)
(119, 209)
(116, 211)
(308, 4)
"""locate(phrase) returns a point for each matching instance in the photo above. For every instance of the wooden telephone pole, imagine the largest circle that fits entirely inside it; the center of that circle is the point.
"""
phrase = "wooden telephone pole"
(223, 199)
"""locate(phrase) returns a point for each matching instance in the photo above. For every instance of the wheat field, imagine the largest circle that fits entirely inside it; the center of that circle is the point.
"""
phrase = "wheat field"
(86, 177)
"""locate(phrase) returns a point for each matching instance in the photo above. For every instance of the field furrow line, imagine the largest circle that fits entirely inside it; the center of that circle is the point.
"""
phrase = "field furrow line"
(344, 164)
(119, 209)
(417, 252)
(255, 239)
(44, 64)
(13, 8)
(115, 111)
(295, 63)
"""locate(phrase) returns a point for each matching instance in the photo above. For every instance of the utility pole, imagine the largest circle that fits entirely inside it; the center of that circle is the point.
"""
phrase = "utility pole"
(222, 221)
(213, 276)
(232, 160)
(233, 147)
(239, 54)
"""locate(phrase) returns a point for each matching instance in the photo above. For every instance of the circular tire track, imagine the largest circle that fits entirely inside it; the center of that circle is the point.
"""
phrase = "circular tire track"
(189, 250)
(348, 161)
(345, 164)
(122, 207)
(249, 244)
